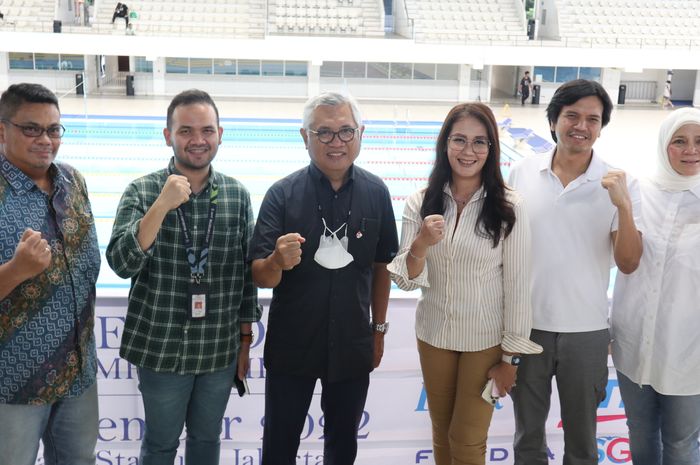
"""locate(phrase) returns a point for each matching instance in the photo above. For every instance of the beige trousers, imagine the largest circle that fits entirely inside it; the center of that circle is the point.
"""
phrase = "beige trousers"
(460, 417)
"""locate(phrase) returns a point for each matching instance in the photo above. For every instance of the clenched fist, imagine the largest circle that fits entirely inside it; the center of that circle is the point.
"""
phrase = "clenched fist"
(287, 252)
(432, 230)
(616, 184)
(176, 191)
(32, 255)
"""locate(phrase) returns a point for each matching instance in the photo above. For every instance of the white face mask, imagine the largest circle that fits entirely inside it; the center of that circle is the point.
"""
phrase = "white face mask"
(332, 252)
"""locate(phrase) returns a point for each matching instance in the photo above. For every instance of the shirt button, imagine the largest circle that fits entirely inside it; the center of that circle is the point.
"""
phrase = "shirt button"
(185, 331)
(335, 196)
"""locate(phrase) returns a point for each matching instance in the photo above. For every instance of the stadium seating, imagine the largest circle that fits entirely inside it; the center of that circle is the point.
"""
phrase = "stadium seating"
(624, 23)
(468, 21)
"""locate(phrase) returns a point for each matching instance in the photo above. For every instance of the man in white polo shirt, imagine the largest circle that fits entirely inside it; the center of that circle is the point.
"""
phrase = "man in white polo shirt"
(582, 212)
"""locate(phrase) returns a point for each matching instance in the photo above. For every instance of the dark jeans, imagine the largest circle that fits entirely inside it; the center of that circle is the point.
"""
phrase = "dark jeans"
(579, 362)
(287, 400)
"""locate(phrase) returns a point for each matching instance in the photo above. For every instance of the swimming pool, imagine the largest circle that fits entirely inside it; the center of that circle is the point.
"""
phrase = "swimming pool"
(111, 151)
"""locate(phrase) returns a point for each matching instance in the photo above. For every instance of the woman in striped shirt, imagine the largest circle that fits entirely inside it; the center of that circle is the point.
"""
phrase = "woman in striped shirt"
(465, 243)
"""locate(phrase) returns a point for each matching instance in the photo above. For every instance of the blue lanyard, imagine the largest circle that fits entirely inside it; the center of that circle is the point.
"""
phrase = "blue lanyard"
(197, 265)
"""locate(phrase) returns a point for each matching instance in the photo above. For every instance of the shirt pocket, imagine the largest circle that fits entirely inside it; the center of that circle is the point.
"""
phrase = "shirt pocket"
(225, 248)
(363, 241)
(688, 246)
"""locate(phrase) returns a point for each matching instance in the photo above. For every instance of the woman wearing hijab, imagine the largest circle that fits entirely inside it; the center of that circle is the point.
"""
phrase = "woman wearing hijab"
(465, 243)
(656, 309)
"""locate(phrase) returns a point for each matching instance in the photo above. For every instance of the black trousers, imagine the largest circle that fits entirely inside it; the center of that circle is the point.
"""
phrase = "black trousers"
(120, 15)
(287, 400)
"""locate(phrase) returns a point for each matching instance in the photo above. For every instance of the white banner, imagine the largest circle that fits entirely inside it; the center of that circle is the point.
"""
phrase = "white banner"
(395, 428)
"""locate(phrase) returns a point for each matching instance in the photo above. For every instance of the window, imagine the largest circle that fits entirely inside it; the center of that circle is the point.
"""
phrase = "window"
(401, 71)
(46, 60)
(200, 66)
(352, 69)
(378, 70)
(332, 69)
(249, 67)
(73, 62)
(543, 73)
(566, 73)
(141, 65)
(272, 68)
(424, 71)
(592, 74)
(176, 65)
(20, 60)
(295, 68)
(222, 66)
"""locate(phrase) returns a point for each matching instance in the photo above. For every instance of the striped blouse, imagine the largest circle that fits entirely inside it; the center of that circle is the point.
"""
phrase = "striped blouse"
(473, 296)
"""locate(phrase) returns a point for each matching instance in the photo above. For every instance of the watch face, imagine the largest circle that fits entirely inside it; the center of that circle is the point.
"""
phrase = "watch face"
(515, 360)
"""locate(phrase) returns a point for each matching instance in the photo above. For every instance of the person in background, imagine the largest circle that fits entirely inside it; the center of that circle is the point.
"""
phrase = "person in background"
(656, 344)
(180, 234)
(465, 242)
(582, 212)
(49, 263)
(525, 86)
(121, 11)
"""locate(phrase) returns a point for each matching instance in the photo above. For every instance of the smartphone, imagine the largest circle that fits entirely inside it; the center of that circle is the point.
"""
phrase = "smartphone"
(241, 385)
(490, 393)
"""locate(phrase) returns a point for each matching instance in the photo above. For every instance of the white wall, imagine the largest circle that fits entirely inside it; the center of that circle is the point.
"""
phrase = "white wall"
(549, 29)
(235, 86)
(683, 84)
(385, 89)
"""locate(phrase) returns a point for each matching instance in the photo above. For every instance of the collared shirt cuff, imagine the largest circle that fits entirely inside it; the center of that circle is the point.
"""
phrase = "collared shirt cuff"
(399, 273)
(132, 243)
(519, 344)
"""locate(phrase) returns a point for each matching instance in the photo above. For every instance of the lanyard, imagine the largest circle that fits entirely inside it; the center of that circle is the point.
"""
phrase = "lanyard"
(197, 265)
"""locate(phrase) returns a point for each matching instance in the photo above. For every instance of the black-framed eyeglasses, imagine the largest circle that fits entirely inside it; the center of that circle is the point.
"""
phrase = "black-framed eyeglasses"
(55, 131)
(479, 146)
(326, 136)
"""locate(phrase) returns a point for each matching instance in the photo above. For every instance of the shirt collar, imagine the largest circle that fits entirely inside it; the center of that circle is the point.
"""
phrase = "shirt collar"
(318, 175)
(212, 174)
(695, 190)
(22, 183)
(479, 194)
(595, 171)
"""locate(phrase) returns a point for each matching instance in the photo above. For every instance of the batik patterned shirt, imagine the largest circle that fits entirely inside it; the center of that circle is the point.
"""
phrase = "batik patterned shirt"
(47, 344)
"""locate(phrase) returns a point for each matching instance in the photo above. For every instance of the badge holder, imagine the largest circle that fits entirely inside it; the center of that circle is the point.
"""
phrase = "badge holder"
(197, 292)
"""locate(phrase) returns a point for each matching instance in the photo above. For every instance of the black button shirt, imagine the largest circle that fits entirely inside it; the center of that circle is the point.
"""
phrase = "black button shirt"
(319, 323)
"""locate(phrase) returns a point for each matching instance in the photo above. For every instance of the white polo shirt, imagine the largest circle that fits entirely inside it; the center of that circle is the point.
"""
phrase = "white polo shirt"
(571, 244)
(655, 309)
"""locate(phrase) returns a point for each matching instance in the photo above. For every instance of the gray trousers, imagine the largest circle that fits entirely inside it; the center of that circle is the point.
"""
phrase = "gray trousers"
(579, 362)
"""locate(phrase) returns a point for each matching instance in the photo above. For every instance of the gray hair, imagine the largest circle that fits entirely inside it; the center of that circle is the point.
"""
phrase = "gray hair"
(332, 99)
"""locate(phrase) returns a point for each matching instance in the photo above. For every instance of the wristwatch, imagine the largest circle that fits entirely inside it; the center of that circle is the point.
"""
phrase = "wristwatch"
(512, 359)
(381, 327)
(248, 337)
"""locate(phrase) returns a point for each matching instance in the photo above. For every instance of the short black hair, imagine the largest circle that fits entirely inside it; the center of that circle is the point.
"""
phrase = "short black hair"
(190, 97)
(527, 72)
(573, 91)
(19, 94)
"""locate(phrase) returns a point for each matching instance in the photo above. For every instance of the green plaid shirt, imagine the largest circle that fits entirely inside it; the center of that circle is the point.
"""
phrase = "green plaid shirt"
(157, 333)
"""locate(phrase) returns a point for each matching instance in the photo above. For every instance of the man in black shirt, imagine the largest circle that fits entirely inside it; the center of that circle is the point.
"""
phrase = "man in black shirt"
(525, 84)
(121, 11)
(323, 238)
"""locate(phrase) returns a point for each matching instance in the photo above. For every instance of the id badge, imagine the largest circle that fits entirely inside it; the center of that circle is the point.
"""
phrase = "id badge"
(198, 301)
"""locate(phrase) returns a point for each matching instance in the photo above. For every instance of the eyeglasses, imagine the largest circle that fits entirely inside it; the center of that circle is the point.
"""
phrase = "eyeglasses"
(326, 136)
(54, 132)
(479, 146)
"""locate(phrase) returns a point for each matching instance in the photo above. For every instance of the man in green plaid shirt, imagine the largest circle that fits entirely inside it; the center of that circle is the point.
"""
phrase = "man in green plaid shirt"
(181, 235)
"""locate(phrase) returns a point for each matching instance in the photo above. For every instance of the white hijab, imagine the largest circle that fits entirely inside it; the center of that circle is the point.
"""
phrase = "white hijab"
(665, 176)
